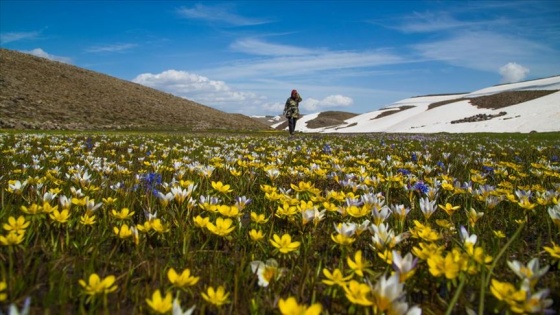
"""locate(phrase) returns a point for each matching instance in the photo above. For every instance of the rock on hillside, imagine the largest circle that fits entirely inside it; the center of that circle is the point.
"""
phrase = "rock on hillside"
(36, 93)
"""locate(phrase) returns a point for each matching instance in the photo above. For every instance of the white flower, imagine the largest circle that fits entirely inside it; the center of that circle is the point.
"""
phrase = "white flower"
(177, 310)
(346, 229)
(427, 207)
(532, 272)
(266, 271)
(466, 237)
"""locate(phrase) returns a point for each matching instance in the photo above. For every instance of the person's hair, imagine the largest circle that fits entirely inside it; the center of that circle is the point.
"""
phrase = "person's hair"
(294, 93)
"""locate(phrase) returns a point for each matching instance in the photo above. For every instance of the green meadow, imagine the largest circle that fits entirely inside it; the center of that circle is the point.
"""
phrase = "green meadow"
(263, 223)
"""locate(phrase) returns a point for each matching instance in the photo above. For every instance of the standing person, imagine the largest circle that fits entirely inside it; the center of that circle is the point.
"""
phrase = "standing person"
(291, 110)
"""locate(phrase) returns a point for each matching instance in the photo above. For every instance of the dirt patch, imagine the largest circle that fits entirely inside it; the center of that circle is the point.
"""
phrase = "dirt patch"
(505, 99)
(391, 112)
(329, 118)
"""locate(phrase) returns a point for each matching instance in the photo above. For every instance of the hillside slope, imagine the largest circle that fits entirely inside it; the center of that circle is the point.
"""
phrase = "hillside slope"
(518, 107)
(36, 93)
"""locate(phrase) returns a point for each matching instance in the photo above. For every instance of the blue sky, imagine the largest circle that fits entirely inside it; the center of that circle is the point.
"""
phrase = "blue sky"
(246, 56)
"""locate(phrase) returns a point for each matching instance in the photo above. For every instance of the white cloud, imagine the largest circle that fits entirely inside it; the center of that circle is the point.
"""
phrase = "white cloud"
(200, 89)
(218, 13)
(513, 72)
(110, 48)
(484, 51)
(17, 36)
(331, 101)
(436, 22)
(297, 65)
(43, 54)
(258, 47)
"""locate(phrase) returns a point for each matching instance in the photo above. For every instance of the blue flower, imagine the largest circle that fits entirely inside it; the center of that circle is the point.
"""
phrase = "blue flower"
(327, 149)
(403, 171)
(413, 157)
(89, 143)
(150, 181)
(488, 169)
(421, 187)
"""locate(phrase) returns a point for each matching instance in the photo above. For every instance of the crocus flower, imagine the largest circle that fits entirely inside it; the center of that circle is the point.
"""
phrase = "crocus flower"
(290, 306)
(217, 296)
(284, 244)
(96, 285)
(182, 280)
(160, 304)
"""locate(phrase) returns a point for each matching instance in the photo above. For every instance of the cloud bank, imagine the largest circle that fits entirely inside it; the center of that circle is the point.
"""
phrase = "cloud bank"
(513, 72)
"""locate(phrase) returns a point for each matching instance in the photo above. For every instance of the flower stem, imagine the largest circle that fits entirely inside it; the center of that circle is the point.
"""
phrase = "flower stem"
(456, 295)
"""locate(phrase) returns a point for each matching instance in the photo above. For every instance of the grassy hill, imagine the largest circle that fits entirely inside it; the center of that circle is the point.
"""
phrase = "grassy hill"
(36, 93)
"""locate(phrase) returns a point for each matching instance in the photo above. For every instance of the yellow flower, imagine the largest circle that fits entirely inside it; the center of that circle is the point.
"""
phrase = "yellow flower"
(222, 227)
(145, 227)
(109, 200)
(499, 234)
(60, 216)
(160, 305)
(16, 225)
(474, 216)
(505, 291)
(183, 280)
(449, 208)
(3, 294)
(97, 286)
(342, 239)
(303, 187)
(358, 212)
(124, 214)
(386, 255)
(290, 306)
(447, 266)
(47, 208)
(87, 219)
(554, 251)
(258, 218)
(284, 244)
(336, 277)
(79, 201)
(358, 265)
(33, 209)
(200, 221)
(123, 232)
(217, 297)
(228, 211)
(286, 210)
(12, 238)
(424, 232)
(159, 226)
(221, 188)
(358, 293)
(526, 204)
(426, 250)
(256, 235)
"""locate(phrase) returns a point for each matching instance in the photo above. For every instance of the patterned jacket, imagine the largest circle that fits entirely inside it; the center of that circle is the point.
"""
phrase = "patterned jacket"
(291, 109)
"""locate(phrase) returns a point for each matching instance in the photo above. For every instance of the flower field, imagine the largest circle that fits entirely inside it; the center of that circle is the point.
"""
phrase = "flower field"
(266, 224)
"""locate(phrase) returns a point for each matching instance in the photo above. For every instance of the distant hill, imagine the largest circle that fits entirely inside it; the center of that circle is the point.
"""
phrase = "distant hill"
(516, 107)
(36, 93)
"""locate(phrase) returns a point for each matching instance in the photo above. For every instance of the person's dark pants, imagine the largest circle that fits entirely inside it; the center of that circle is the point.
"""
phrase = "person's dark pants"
(292, 124)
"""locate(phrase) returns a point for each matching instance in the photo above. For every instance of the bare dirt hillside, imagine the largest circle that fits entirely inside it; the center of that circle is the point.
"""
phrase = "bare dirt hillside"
(36, 93)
